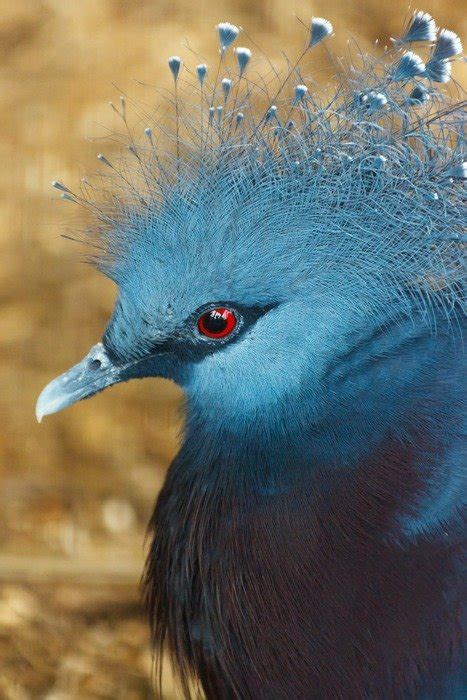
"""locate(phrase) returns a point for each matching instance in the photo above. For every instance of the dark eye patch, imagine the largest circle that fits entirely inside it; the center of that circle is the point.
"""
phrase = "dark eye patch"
(187, 342)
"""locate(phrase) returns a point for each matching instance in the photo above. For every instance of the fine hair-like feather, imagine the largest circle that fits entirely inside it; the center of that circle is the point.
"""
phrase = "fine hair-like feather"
(365, 176)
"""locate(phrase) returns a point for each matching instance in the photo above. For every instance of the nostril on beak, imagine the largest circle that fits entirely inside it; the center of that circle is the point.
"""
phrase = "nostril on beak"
(95, 364)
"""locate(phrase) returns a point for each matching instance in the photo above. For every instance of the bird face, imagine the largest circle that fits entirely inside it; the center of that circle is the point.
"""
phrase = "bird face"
(220, 315)
(250, 353)
(191, 324)
(219, 292)
(244, 321)
(212, 305)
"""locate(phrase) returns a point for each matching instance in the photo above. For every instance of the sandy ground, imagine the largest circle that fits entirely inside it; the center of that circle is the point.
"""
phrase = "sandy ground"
(77, 491)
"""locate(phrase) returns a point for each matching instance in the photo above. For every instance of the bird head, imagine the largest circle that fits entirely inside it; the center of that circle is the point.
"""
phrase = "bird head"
(259, 260)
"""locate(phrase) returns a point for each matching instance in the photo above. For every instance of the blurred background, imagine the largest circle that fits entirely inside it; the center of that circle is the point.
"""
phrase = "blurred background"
(78, 490)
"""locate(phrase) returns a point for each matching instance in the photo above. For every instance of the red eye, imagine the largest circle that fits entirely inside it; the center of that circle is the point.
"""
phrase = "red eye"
(217, 323)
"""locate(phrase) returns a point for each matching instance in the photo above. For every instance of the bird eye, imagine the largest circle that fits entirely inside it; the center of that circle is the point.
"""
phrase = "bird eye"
(217, 323)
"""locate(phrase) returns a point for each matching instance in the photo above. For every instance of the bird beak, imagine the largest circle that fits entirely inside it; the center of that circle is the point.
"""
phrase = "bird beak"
(94, 373)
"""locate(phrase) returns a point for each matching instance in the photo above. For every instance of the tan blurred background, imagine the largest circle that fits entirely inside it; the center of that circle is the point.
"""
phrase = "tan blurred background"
(77, 491)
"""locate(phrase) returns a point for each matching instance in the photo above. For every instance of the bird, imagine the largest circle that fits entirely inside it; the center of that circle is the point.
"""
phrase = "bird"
(292, 257)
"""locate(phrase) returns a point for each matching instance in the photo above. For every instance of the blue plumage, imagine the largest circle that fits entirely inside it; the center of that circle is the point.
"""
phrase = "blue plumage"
(307, 541)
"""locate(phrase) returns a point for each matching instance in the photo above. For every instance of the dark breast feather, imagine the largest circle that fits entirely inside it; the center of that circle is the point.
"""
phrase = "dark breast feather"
(302, 594)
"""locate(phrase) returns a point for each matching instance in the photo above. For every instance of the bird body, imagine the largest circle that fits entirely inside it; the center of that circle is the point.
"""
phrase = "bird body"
(299, 274)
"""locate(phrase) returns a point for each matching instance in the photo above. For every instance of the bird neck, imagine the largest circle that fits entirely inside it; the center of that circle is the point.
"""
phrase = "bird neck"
(402, 398)
(418, 475)
(262, 550)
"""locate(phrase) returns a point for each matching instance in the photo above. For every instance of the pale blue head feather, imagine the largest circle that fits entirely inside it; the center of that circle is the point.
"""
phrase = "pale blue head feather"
(339, 198)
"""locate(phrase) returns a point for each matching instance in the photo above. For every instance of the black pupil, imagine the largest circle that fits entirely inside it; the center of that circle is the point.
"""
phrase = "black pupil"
(214, 322)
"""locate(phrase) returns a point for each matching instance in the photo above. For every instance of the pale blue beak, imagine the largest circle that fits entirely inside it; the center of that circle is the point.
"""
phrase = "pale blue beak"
(93, 374)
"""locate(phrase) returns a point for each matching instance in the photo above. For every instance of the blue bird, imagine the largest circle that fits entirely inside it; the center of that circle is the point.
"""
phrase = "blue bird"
(294, 263)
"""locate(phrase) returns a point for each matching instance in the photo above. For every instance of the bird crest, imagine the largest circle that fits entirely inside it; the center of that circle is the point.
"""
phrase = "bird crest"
(277, 184)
